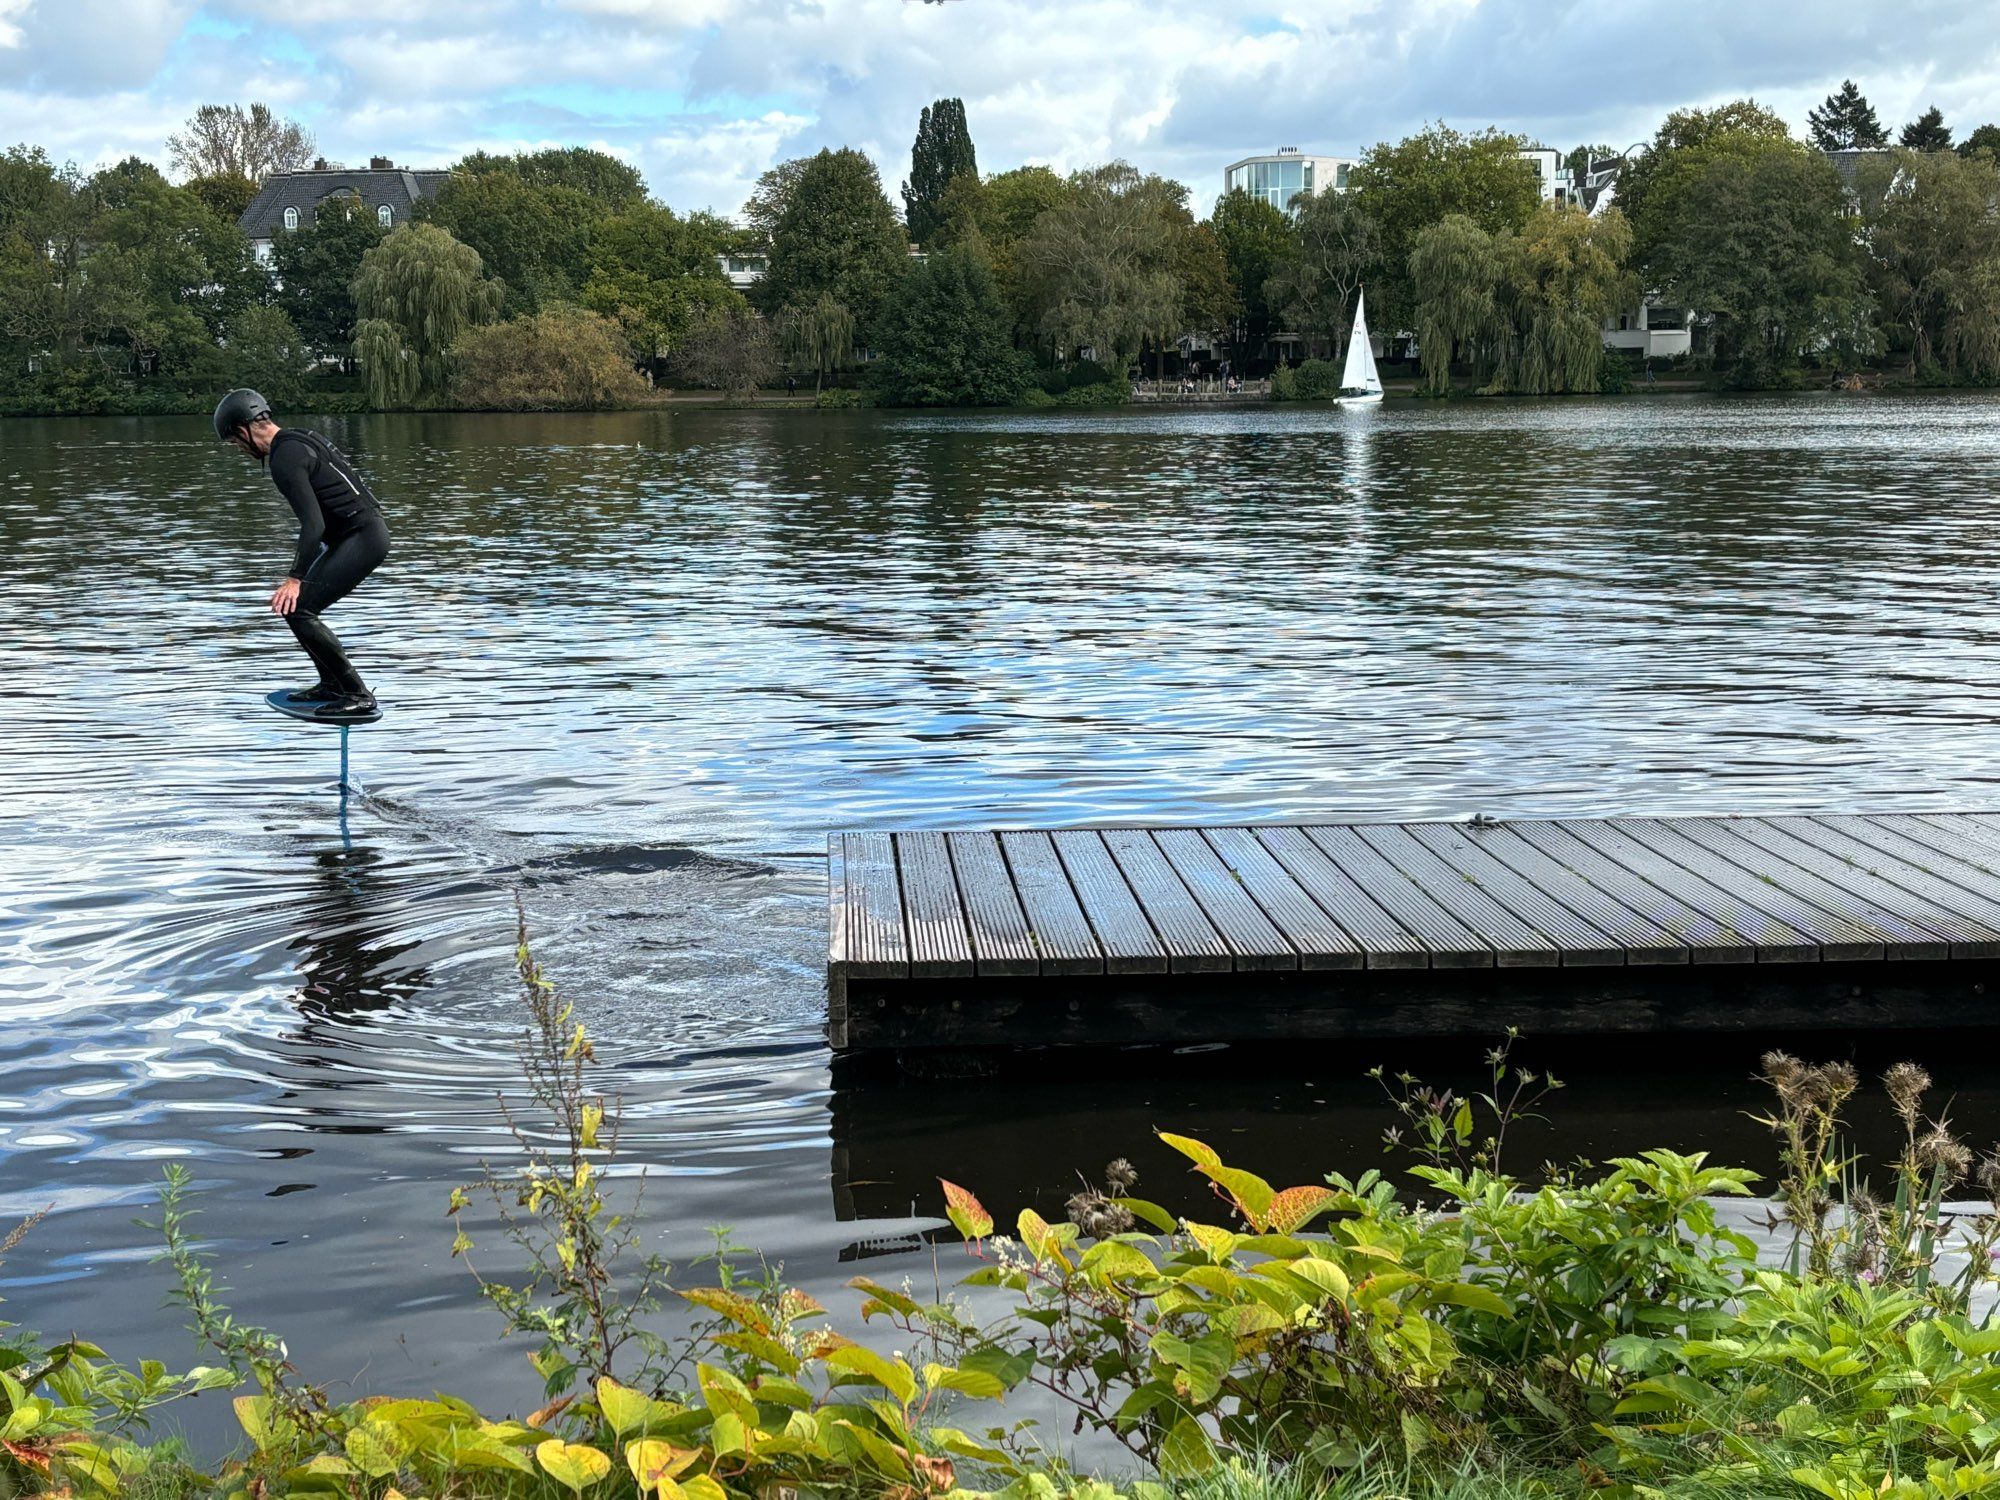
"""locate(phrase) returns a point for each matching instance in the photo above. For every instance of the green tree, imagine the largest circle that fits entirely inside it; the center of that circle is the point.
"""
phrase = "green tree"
(1338, 248)
(946, 341)
(599, 176)
(1000, 212)
(265, 351)
(1256, 240)
(534, 237)
(836, 236)
(188, 270)
(1579, 159)
(565, 359)
(1455, 267)
(228, 140)
(1986, 138)
(1846, 121)
(942, 151)
(729, 349)
(767, 200)
(1934, 255)
(1757, 237)
(1654, 186)
(416, 293)
(225, 197)
(315, 267)
(656, 275)
(1559, 278)
(1927, 132)
(818, 336)
(1407, 187)
(1099, 271)
(52, 307)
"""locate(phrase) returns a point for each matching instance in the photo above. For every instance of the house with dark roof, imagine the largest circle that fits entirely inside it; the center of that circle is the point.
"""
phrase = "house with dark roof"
(290, 201)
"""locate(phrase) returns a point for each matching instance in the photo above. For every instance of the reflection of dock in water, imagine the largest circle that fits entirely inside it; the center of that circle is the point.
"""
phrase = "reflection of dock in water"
(1635, 925)
(1027, 1135)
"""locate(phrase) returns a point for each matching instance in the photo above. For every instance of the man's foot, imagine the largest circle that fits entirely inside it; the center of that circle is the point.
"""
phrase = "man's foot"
(319, 692)
(347, 706)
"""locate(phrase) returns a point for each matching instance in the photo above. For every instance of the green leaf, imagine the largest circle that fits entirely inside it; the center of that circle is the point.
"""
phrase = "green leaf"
(1252, 1193)
(894, 1301)
(1193, 1150)
(1324, 1276)
(895, 1377)
(1477, 1298)
(575, 1465)
(1149, 1213)
(1186, 1451)
(376, 1449)
(985, 1386)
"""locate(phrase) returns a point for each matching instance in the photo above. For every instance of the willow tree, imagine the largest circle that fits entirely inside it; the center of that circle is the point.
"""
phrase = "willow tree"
(1934, 255)
(1455, 269)
(817, 336)
(1561, 276)
(415, 293)
(1099, 271)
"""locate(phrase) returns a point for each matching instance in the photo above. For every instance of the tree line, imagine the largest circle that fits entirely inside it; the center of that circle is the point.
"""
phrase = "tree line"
(554, 278)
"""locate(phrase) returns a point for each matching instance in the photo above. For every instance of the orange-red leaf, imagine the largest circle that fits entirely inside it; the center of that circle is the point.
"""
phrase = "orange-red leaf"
(967, 1216)
(1295, 1207)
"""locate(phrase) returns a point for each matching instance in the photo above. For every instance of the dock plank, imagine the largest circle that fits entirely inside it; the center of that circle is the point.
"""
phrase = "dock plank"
(1708, 940)
(1193, 944)
(1516, 944)
(1130, 944)
(1002, 945)
(1317, 937)
(1056, 919)
(1452, 945)
(1921, 928)
(877, 946)
(1639, 938)
(1920, 872)
(1579, 937)
(1384, 942)
(1811, 934)
(1253, 938)
(933, 915)
(1809, 874)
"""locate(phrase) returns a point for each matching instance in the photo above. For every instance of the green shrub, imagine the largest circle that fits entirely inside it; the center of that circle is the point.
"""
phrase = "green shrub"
(841, 398)
(565, 359)
(1103, 393)
(1285, 383)
(1318, 380)
(1614, 378)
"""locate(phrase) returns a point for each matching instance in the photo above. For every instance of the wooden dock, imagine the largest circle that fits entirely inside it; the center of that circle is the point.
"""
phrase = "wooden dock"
(1177, 935)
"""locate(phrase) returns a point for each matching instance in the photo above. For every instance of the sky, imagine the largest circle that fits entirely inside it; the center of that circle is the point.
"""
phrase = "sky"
(703, 95)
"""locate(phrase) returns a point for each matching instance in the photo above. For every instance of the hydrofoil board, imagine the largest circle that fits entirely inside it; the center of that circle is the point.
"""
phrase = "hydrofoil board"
(314, 713)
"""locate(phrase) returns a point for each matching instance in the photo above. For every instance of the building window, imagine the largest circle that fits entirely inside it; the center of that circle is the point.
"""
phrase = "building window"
(291, 218)
(385, 216)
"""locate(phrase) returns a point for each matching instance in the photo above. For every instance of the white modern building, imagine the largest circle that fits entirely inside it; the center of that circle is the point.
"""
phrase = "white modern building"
(1557, 181)
(743, 271)
(1287, 173)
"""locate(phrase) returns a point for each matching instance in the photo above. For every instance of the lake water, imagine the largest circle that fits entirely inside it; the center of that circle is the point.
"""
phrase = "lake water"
(637, 666)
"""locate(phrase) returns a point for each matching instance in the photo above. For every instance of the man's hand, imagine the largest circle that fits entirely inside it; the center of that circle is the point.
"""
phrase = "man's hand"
(285, 597)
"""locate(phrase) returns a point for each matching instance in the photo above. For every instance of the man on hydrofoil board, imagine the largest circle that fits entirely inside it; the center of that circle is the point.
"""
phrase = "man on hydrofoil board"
(342, 539)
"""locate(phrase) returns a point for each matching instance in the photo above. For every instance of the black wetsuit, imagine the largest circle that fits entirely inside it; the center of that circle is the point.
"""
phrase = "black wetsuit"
(342, 539)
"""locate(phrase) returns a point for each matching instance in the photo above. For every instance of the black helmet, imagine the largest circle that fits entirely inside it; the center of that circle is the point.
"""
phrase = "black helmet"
(239, 409)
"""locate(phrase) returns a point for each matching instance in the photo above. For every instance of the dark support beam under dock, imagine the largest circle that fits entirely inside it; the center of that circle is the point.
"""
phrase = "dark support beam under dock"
(1171, 935)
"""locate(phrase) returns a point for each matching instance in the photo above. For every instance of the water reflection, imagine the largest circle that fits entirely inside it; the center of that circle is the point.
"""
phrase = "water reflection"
(636, 666)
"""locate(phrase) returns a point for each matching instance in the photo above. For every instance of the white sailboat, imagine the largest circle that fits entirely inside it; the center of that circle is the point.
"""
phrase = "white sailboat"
(1360, 383)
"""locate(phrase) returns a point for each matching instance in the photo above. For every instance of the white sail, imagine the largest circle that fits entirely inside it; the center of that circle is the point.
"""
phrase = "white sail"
(1359, 373)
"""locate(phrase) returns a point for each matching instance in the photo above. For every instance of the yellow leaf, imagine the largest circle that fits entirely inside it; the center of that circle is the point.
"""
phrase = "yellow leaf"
(652, 1462)
(965, 1212)
(576, 1465)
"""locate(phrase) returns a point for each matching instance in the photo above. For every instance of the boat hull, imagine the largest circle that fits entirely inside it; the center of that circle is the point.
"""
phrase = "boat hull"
(1372, 399)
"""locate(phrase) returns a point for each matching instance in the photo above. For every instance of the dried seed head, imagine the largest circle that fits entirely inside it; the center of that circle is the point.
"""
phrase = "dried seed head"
(1988, 1175)
(1833, 1084)
(1907, 1084)
(1121, 1176)
(1940, 1149)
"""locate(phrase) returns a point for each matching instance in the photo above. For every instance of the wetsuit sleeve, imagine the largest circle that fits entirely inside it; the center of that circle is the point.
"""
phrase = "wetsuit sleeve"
(291, 471)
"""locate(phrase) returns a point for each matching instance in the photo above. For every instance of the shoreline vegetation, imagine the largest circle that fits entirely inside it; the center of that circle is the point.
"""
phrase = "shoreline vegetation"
(1459, 1329)
(555, 280)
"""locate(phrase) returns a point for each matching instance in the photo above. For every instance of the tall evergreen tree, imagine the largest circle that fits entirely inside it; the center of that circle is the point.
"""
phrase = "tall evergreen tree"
(1846, 122)
(1928, 132)
(837, 234)
(942, 151)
